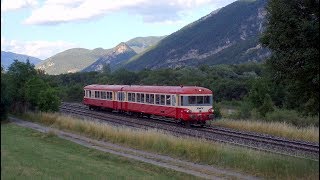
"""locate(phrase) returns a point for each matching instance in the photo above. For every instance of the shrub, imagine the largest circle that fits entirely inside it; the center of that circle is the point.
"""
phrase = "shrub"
(267, 106)
(49, 100)
(292, 117)
(244, 111)
(217, 111)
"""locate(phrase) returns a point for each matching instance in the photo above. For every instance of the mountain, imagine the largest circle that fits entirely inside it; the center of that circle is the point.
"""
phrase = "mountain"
(117, 55)
(139, 44)
(81, 59)
(229, 35)
(71, 60)
(7, 58)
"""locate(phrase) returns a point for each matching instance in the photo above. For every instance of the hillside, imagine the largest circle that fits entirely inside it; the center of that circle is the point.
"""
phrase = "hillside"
(139, 44)
(7, 58)
(81, 59)
(117, 55)
(225, 36)
(72, 60)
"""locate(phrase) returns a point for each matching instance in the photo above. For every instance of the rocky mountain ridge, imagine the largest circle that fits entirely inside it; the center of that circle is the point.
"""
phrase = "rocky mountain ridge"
(117, 55)
(229, 35)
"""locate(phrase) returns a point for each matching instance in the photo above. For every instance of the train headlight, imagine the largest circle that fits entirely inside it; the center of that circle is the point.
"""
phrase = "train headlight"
(211, 110)
(188, 111)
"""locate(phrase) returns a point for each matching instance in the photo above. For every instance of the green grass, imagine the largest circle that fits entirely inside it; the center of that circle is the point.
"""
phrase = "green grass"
(240, 159)
(27, 154)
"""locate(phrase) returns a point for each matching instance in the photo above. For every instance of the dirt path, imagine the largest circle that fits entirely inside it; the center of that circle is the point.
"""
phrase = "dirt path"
(203, 171)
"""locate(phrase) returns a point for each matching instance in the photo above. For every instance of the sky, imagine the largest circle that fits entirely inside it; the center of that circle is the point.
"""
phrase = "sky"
(43, 28)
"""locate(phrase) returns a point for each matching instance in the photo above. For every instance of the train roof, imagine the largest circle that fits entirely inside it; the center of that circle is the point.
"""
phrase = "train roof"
(151, 89)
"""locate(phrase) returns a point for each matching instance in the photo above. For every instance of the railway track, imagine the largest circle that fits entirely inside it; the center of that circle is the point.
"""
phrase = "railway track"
(257, 141)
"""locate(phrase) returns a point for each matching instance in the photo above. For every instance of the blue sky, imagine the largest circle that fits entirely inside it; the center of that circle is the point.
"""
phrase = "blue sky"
(42, 28)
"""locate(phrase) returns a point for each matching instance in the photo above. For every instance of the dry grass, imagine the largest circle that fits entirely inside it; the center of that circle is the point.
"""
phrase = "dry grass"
(254, 162)
(272, 128)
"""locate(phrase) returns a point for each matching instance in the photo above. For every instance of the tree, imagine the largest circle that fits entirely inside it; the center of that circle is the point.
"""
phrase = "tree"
(292, 33)
(33, 88)
(123, 76)
(5, 103)
(267, 106)
(18, 74)
(258, 91)
(49, 100)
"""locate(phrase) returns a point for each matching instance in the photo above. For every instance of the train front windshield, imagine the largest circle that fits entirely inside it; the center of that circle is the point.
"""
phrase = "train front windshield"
(196, 100)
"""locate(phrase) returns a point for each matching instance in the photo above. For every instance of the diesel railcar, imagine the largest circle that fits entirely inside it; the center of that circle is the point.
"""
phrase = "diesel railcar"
(185, 104)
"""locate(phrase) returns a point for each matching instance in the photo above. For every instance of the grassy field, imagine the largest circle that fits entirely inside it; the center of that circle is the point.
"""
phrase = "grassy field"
(27, 154)
(240, 159)
(274, 128)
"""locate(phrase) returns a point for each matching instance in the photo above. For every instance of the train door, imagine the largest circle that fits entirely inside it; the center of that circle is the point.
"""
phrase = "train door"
(120, 100)
(177, 106)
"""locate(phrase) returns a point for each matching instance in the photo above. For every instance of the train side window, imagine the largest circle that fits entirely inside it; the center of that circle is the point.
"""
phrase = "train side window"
(138, 97)
(133, 97)
(157, 98)
(168, 100)
(142, 97)
(103, 95)
(151, 98)
(173, 97)
(118, 96)
(111, 95)
(90, 94)
(121, 96)
(129, 96)
(162, 100)
(147, 98)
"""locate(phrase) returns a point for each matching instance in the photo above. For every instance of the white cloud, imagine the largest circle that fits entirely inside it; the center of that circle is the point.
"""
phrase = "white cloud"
(8, 5)
(61, 11)
(39, 49)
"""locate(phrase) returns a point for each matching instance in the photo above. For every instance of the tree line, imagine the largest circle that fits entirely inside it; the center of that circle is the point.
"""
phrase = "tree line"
(24, 88)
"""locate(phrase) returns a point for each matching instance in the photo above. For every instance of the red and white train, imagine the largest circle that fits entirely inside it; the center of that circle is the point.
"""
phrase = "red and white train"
(186, 104)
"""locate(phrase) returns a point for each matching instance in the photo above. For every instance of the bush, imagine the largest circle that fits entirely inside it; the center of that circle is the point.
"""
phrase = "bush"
(244, 111)
(217, 111)
(49, 100)
(267, 106)
(292, 117)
